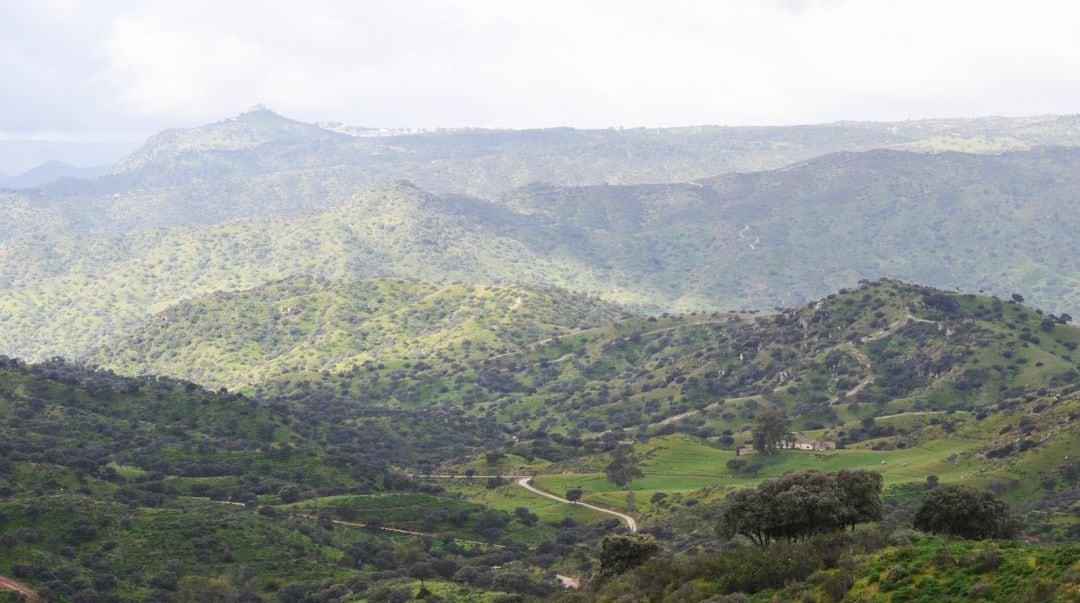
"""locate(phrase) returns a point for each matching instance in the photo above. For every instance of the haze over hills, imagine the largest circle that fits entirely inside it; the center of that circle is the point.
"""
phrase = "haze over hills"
(999, 223)
(581, 345)
(48, 172)
(503, 303)
(260, 163)
(18, 156)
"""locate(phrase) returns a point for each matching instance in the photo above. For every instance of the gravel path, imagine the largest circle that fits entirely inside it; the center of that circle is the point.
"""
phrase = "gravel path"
(525, 482)
(18, 587)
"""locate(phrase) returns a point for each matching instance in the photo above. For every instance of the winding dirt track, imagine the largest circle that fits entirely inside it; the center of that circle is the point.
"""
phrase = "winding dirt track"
(523, 481)
(18, 587)
(356, 524)
(630, 523)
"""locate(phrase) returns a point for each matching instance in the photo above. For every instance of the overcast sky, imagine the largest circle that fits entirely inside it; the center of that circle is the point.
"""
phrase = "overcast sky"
(123, 70)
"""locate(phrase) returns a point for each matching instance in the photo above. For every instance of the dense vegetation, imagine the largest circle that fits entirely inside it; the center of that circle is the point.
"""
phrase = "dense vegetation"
(303, 324)
(853, 567)
(324, 393)
(885, 368)
(800, 505)
(154, 488)
(222, 208)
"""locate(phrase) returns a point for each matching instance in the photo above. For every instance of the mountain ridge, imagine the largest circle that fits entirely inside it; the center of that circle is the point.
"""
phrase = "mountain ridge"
(487, 162)
(742, 241)
(47, 172)
(320, 325)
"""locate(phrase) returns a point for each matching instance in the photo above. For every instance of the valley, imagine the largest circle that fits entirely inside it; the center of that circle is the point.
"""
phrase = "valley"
(509, 399)
(264, 360)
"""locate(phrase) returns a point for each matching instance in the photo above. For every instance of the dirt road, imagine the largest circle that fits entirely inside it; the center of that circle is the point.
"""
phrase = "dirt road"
(18, 587)
(630, 523)
(356, 524)
(523, 481)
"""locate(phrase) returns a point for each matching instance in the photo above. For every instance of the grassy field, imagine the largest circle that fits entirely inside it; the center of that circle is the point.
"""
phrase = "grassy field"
(460, 518)
(510, 496)
(680, 464)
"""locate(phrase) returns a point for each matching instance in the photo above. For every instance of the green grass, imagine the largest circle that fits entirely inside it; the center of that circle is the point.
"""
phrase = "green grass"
(511, 496)
(681, 464)
(961, 570)
(860, 567)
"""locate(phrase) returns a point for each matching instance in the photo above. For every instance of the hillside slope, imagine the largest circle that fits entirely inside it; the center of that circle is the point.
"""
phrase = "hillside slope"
(963, 386)
(147, 489)
(304, 324)
(402, 232)
(260, 163)
(780, 238)
(759, 240)
(884, 346)
(101, 474)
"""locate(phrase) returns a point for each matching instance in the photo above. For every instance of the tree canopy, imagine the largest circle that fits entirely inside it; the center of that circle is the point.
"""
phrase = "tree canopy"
(801, 504)
(623, 467)
(966, 512)
(623, 552)
(771, 429)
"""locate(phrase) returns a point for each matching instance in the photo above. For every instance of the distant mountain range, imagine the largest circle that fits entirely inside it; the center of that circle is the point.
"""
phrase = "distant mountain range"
(260, 163)
(18, 156)
(257, 198)
(979, 222)
(45, 173)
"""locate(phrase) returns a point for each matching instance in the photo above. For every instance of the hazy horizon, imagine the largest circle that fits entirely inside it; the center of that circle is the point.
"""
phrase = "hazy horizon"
(18, 155)
(121, 71)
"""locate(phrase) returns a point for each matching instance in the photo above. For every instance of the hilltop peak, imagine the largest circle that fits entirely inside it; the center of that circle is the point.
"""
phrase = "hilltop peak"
(255, 127)
(260, 111)
(258, 108)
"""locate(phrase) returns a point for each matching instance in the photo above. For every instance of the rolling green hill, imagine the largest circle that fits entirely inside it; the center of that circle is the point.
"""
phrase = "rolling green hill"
(151, 488)
(994, 223)
(400, 232)
(345, 360)
(898, 374)
(927, 382)
(855, 568)
(303, 324)
(113, 476)
(781, 238)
